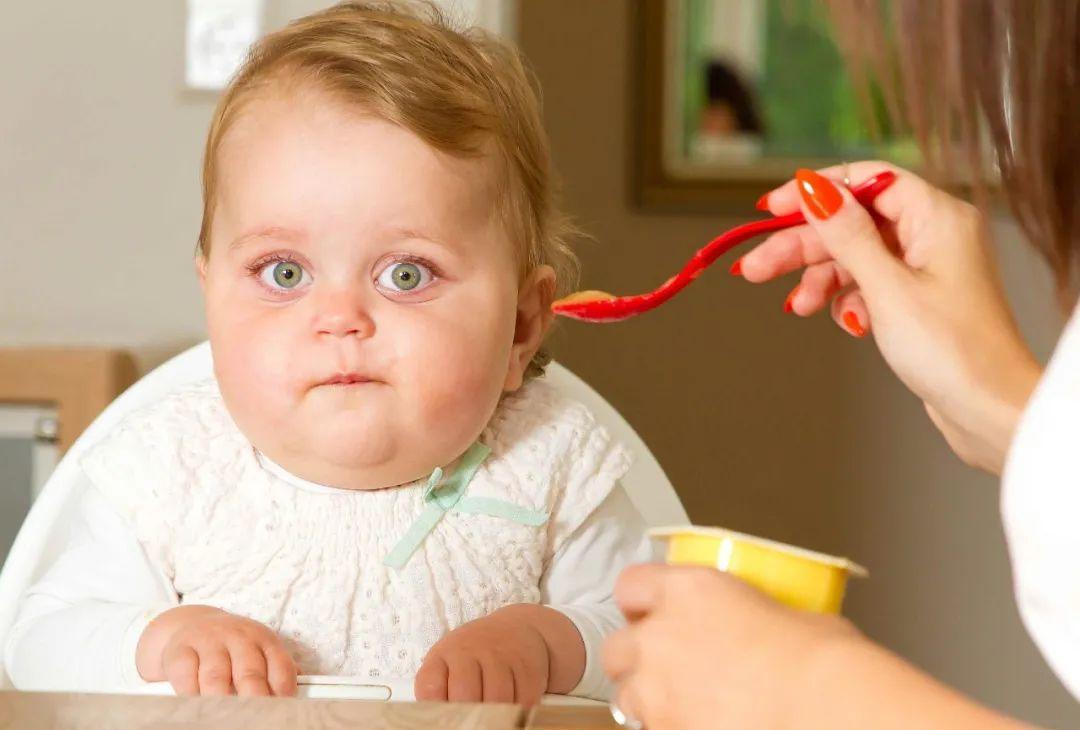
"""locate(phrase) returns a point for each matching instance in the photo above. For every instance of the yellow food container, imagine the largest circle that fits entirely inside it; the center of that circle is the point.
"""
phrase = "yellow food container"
(794, 576)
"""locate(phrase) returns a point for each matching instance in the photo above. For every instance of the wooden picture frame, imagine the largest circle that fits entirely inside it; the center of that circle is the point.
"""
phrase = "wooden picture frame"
(655, 187)
(664, 179)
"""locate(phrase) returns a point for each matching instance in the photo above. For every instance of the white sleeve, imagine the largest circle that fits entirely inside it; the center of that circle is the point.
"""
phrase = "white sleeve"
(580, 580)
(1040, 503)
(77, 628)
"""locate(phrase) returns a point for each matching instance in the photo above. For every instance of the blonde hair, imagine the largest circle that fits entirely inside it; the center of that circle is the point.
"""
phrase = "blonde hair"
(458, 90)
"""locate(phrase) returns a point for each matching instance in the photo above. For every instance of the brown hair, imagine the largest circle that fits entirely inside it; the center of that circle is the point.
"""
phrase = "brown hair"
(458, 90)
(1002, 75)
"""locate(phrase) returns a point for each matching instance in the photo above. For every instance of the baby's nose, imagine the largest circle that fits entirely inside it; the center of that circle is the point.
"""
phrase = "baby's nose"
(343, 314)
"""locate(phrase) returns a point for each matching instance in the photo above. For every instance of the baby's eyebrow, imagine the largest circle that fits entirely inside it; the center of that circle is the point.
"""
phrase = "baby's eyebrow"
(279, 232)
(412, 233)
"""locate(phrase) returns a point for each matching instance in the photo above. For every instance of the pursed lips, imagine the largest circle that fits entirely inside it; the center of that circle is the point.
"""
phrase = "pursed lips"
(347, 379)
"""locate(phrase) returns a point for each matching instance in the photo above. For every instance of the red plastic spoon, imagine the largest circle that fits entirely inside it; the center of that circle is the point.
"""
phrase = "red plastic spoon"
(598, 306)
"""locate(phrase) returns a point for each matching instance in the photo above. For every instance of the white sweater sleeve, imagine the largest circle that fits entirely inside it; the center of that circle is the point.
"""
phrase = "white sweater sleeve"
(580, 579)
(78, 626)
(1041, 511)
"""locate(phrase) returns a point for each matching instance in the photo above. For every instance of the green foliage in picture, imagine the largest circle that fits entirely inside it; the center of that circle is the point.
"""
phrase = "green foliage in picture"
(807, 102)
(806, 98)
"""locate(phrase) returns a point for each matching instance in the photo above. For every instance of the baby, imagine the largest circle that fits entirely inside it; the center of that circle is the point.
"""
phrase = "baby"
(375, 484)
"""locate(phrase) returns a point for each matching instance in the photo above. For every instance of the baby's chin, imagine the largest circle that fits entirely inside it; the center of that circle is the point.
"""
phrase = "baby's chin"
(349, 453)
(362, 443)
(347, 447)
(346, 465)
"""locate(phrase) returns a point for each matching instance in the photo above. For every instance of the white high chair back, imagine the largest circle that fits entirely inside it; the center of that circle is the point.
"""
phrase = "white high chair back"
(42, 534)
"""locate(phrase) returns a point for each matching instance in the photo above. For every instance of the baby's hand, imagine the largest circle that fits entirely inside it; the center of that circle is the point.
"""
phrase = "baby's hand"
(204, 650)
(502, 657)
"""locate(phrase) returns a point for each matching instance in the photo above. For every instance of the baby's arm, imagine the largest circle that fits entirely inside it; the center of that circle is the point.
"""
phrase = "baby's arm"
(78, 625)
(104, 617)
(580, 580)
(521, 651)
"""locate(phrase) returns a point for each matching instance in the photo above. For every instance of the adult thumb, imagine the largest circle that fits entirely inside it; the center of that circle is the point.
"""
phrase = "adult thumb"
(848, 233)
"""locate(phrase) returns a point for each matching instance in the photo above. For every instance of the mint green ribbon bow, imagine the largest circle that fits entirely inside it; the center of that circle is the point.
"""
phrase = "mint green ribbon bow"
(441, 497)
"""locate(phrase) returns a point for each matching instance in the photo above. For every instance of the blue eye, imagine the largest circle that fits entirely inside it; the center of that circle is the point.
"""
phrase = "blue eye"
(405, 276)
(283, 275)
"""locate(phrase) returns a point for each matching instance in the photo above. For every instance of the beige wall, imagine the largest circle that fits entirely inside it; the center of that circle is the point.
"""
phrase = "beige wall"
(100, 148)
(765, 423)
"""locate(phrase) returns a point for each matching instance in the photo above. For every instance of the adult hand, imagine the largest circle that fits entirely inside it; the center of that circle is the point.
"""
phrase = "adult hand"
(920, 276)
(704, 650)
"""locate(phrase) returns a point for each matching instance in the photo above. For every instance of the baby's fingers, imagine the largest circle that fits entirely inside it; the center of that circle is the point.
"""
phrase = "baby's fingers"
(280, 670)
(249, 669)
(528, 686)
(498, 681)
(181, 669)
(431, 680)
(465, 682)
(215, 670)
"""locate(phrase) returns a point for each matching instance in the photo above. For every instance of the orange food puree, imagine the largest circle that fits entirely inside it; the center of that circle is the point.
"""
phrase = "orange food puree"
(579, 297)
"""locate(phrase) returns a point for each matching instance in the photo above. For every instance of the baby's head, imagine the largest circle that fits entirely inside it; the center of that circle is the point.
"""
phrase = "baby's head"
(380, 242)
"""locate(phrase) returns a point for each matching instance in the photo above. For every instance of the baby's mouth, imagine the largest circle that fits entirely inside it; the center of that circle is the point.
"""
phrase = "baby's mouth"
(344, 380)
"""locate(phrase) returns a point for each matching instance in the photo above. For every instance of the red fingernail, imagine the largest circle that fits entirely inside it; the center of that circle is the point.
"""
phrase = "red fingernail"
(762, 203)
(787, 302)
(851, 320)
(736, 268)
(821, 196)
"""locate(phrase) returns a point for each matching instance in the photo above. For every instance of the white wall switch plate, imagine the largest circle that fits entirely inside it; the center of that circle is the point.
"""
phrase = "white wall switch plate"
(219, 34)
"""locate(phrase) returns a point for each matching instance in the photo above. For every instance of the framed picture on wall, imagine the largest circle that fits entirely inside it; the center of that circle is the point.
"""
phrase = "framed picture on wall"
(734, 95)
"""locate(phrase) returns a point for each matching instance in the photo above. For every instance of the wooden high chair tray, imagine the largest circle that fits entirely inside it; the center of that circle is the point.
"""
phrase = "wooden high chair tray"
(66, 711)
(62, 711)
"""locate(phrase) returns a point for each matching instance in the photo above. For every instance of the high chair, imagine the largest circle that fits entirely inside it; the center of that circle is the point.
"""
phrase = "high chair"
(41, 537)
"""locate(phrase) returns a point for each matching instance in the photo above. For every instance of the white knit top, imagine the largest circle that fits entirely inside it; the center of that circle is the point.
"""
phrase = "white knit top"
(229, 529)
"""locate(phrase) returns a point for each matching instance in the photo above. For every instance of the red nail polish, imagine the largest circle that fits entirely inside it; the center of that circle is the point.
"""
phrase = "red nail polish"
(787, 302)
(851, 320)
(819, 193)
(762, 203)
(736, 268)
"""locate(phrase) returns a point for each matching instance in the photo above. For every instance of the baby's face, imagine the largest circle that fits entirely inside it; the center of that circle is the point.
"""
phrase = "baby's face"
(362, 295)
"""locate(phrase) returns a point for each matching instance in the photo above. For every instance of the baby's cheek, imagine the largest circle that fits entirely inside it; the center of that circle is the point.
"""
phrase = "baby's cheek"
(252, 365)
(462, 380)
(459, 383)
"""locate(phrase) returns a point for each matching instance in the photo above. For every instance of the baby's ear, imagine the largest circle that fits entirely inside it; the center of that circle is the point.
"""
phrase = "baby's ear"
(534, 318)
(200, 268)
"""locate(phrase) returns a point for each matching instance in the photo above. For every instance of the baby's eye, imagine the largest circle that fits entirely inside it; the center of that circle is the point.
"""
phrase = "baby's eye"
(405, 276)
(283, 275)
